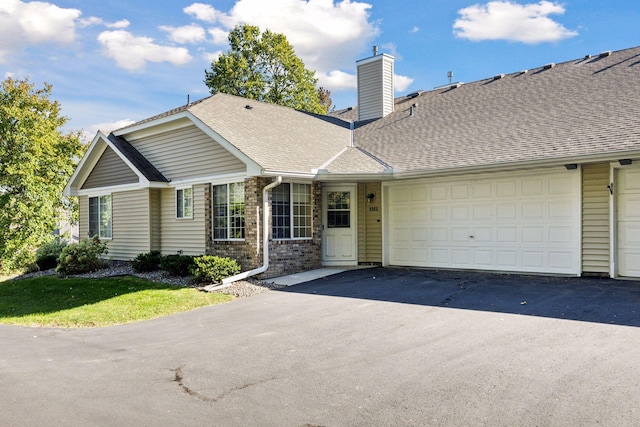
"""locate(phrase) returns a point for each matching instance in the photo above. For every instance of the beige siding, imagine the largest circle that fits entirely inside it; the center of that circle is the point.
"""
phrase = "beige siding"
(187, 153)
(375, 88)
(83, 217)
(110, 170)
(131, 224)
(187, 235)
(369, 224)
(154, 207)
(595, 218)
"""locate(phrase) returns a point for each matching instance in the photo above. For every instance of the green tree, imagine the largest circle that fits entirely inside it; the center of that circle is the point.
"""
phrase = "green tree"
(264, 66)
(36, 160)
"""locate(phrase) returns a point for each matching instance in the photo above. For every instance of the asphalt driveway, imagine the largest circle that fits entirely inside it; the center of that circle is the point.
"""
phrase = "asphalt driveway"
(366, 347)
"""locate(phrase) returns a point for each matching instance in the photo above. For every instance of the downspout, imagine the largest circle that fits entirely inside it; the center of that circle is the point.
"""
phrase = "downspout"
(265, 242)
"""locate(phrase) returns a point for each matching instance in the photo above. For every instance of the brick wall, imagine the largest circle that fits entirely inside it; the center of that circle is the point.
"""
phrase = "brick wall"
(285, 256)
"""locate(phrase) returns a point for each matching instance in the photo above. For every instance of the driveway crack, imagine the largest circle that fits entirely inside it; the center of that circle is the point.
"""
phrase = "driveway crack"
(179, 378)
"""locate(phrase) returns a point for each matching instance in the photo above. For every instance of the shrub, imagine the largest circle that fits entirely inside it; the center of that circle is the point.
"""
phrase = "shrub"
(48, 254)
(83, 257)
(177, 265)
(212, 269)
(149, 261)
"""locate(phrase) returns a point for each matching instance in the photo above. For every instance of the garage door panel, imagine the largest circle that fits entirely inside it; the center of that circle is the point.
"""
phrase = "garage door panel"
(512, 223)
(628, 222)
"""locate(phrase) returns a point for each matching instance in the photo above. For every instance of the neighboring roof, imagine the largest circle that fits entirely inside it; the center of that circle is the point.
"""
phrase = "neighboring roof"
(137, 160)
(276, 138)
(585, 107)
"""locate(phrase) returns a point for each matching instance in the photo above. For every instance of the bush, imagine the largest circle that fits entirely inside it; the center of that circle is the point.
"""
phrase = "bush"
(83, 257)
(48, 254)
(149, 261)
(212, 269)
(177, 265)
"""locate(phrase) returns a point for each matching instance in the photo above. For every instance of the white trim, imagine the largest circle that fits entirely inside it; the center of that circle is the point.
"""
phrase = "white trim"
(222, 179)
(92, 192)
(375, 58)
(291, 216)
(182, 188)
(353, 188)
(155, 126)
(613, 217)
(99, 213)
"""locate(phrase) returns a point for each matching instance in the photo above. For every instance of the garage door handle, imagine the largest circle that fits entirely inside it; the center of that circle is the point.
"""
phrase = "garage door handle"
(471, 237)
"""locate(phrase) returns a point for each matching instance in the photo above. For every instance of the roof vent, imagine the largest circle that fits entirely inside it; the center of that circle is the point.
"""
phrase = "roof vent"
(415, 94)
(248, 107)
(605, 54)
(524, 71)
(588, 56)
(549, 66)
(498, 77)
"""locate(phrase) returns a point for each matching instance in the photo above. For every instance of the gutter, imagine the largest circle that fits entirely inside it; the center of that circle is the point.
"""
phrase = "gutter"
(265, 242)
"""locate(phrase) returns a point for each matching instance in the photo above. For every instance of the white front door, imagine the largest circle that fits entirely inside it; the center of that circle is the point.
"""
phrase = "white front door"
(339, 225)
(628, 214)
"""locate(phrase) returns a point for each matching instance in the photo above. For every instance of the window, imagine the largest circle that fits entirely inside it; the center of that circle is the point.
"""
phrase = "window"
(100, 217)
(228, 211)
(291, 211)
(184, 203)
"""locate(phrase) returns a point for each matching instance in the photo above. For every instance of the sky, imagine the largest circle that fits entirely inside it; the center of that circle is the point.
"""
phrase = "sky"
(112, 63)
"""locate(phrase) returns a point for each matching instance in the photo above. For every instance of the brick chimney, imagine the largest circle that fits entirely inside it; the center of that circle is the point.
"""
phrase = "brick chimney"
(375, 86)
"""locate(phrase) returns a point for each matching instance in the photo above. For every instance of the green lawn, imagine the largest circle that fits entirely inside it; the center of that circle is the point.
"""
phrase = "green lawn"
(74, 303)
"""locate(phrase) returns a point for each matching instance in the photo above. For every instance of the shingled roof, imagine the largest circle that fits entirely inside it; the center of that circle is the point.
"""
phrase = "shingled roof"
(137, 160)
(586, 107)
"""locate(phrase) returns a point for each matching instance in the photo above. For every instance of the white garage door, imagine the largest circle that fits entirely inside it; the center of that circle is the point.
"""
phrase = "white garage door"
(506, 222)
(628, 204)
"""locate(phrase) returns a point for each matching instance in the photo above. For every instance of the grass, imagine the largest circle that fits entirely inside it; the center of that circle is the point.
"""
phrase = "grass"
(52, 301)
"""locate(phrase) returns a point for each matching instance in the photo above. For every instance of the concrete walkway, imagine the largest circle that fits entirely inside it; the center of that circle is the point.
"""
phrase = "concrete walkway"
(307, 276)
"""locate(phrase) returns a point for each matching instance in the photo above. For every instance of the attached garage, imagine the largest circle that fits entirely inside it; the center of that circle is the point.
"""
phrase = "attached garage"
(628, 221)
(516, 222)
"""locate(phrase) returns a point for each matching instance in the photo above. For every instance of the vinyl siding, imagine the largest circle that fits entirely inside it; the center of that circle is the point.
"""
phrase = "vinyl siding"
(187, 153)
(131, 224)
(110, 170)
(189, 234)
(595, 218)
(83, 217)
(369, 224)
(154, 211)
(375, 88)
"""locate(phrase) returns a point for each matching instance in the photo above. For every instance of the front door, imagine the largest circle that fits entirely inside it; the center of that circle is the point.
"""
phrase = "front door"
(339, 225)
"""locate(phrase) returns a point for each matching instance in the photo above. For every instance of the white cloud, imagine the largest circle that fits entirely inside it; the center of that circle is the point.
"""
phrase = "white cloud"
(220, 36)
(202, 12)
(90, 21)
(23, 24)
(505, 20)
(401, 83)
(133, 52)
(192, 33)
(415, 29)
(123, 23)
(325, 34)
(337, 80)
(212, 56)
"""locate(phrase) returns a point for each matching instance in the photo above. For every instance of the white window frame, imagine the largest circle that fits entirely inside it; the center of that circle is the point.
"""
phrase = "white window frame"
(292, 216)
(100, 202)
(180, 202)
(228, 212)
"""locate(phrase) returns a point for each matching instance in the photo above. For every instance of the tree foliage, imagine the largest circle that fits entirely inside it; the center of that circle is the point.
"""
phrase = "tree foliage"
(264, 66)
(36, 160)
